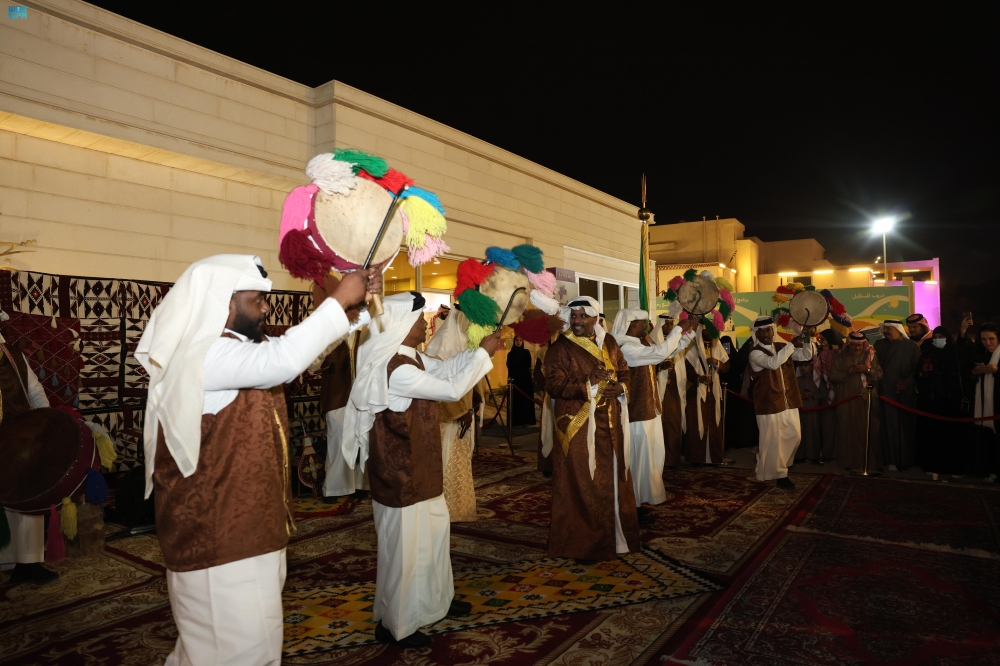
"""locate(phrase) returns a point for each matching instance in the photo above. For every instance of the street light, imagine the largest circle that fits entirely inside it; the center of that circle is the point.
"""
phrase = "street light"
(884, 225)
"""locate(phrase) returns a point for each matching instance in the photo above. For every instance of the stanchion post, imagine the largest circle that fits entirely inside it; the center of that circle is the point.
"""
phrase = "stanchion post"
(868, 433)
(510, 414)
(725, 399)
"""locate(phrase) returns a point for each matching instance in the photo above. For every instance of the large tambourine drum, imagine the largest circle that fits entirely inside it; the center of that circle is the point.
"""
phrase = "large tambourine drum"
(349, 225)
(44, 457)
(808, 308)
(502, 286)
(699, 296)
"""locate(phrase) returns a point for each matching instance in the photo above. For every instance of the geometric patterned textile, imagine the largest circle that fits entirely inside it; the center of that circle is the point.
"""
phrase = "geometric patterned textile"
(87, 360)
(317, 620)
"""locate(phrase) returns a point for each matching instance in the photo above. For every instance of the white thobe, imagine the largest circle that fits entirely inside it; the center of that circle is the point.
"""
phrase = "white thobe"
(413, 584)
(27, 532)
(648, 451)
(339, 479)
(232, 613)
(780, 433)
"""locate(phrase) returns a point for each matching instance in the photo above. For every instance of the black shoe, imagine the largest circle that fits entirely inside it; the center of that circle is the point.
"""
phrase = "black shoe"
(33, 574)
(415, 640)
(585, 563)
(646, 517)
(360, 495)
(547, 475)
(784, 483)
(330, 500)
(459, 608)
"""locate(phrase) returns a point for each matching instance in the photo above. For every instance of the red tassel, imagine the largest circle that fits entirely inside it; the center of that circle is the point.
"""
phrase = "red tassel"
(836, 307)
(784, 320)
(782, 289)
(55, 549)
(471, 274)
(393, 180)
(301, 257)
(535, 331)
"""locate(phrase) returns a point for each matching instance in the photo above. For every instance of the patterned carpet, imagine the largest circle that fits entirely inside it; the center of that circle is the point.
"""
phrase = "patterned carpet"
(878, 572)
(113, 609)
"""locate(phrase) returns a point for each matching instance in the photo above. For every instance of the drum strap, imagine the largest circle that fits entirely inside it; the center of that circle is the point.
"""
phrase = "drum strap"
(13, 365)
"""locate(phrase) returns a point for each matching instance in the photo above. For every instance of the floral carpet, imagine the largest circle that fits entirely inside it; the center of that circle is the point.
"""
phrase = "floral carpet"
(113, 609)
(876, 572)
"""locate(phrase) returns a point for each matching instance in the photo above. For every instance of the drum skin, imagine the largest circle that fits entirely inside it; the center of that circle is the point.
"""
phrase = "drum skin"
(699, 296)
(500, 285)
(349, 225)
(44, 456)
(808, 308)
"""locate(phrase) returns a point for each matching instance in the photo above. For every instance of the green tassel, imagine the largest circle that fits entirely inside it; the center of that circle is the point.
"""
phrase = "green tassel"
(810, 288)
(374, 165)
(670, 295)
(690, 274)
(479, 308)
(713, 332)
(530, 257)
(775, 313)
(724, 309)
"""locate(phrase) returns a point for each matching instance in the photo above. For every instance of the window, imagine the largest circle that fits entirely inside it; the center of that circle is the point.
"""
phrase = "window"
(400, 276)
(609, 295)
(632, 297)
(612, 301)
(590, 288)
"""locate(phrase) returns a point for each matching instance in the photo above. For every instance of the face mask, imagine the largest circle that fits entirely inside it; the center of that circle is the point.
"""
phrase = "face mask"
(939, 342)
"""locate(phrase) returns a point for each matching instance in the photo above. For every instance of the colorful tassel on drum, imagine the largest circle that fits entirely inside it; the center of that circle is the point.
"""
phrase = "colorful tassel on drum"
(97, 488)
(373, 164)
(105, 448)
(55, 548)
(393, 180)
(331, 175)
(479, 308)
(543, 281)
(549, 306)
(433, 247)
(476, 333)
(534, 328)
(470, 274)
(505, 258)
(530, 258)
(68, 518)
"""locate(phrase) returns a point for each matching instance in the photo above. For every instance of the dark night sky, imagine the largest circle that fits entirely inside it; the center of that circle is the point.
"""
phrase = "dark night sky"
(799, 123)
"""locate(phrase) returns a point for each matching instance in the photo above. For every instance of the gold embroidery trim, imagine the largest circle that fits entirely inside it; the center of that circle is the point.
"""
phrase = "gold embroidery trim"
(290, 525)
(581, 416)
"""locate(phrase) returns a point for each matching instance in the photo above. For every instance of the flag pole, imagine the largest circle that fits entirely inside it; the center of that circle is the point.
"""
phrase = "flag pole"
(644, 217)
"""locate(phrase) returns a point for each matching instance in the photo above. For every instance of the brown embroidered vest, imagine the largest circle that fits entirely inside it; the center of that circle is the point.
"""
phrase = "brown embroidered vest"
(13, 383)
(775, 391)
(643, 397)
(337, 379)
(404, 450)
(237, 504)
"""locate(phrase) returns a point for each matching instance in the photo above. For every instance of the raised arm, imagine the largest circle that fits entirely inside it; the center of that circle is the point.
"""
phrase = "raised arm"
(637, 355)
(467, 368)
(761, 361)
(233, 364)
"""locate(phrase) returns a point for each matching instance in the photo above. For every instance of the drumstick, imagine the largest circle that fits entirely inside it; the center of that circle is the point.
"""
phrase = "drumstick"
(509, 303)
(376, 302)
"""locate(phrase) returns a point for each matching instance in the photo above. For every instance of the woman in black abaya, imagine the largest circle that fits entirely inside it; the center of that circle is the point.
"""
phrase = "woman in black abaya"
(519, 369)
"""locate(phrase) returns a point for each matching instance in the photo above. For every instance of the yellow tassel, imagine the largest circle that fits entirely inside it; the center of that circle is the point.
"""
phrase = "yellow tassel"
(795, 286)
(54, 324)
(780, 298)
(424, 219)
(68, 518)
(476, 333)
(106, 448)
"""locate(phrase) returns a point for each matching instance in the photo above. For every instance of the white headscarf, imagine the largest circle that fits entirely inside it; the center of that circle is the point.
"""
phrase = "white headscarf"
(450, 337)
(624, 319)
(591, 310)
(892, 323)
(370, 393)
(762, 323)
(172, 349)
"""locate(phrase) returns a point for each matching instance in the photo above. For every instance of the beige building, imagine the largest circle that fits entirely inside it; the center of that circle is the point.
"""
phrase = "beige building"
(127, 152)
(751, 264)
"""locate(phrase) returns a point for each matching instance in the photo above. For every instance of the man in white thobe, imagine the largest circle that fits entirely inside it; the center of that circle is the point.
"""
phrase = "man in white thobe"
(776, 400)
(24, 555)
(645, 427)
(217, 451)
(392, 420)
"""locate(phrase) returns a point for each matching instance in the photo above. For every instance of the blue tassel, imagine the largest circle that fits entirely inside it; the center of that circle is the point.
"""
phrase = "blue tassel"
(55, 379)
(41, 374)
(68, 392)
(505, 258)
(97, 487)
(76, 401)
(429, 197)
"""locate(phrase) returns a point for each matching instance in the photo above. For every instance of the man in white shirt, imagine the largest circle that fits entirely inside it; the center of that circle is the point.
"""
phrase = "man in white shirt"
(776, 400)
(216, 440)
(393, 419)
(21, 392)
(646, 429)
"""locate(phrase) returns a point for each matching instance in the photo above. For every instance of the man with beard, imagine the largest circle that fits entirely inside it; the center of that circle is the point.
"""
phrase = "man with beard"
(645, 426)
(918, 328)
(217, 454)
(593, 502)
(776, 400)
(899, 358)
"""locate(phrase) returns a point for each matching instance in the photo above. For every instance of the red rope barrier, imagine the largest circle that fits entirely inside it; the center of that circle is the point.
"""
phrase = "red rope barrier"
(808, 409)
(530, 397)
(953, 419)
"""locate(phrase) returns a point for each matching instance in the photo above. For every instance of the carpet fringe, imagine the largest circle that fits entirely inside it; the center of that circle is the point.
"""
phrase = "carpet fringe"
(973, 552)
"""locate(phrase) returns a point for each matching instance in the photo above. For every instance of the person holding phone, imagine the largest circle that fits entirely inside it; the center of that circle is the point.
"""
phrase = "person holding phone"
(985, 360)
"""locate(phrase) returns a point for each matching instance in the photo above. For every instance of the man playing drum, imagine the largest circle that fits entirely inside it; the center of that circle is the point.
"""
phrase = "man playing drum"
(217, 450)
(21, 392)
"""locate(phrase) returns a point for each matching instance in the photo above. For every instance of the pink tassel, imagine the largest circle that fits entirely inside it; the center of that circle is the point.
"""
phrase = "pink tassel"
(55, 550)
(683, 315)
(718, 321)
(433, 247)
(727, 298)
(544, 282)
(676, 283)
(296, 210)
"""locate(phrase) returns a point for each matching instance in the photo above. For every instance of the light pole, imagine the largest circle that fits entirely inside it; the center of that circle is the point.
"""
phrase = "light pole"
(884, 225)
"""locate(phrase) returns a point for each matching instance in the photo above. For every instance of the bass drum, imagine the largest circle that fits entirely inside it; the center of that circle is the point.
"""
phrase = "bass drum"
(44, 457)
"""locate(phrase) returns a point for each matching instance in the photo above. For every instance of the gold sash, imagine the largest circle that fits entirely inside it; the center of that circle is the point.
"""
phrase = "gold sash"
(581, 417)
